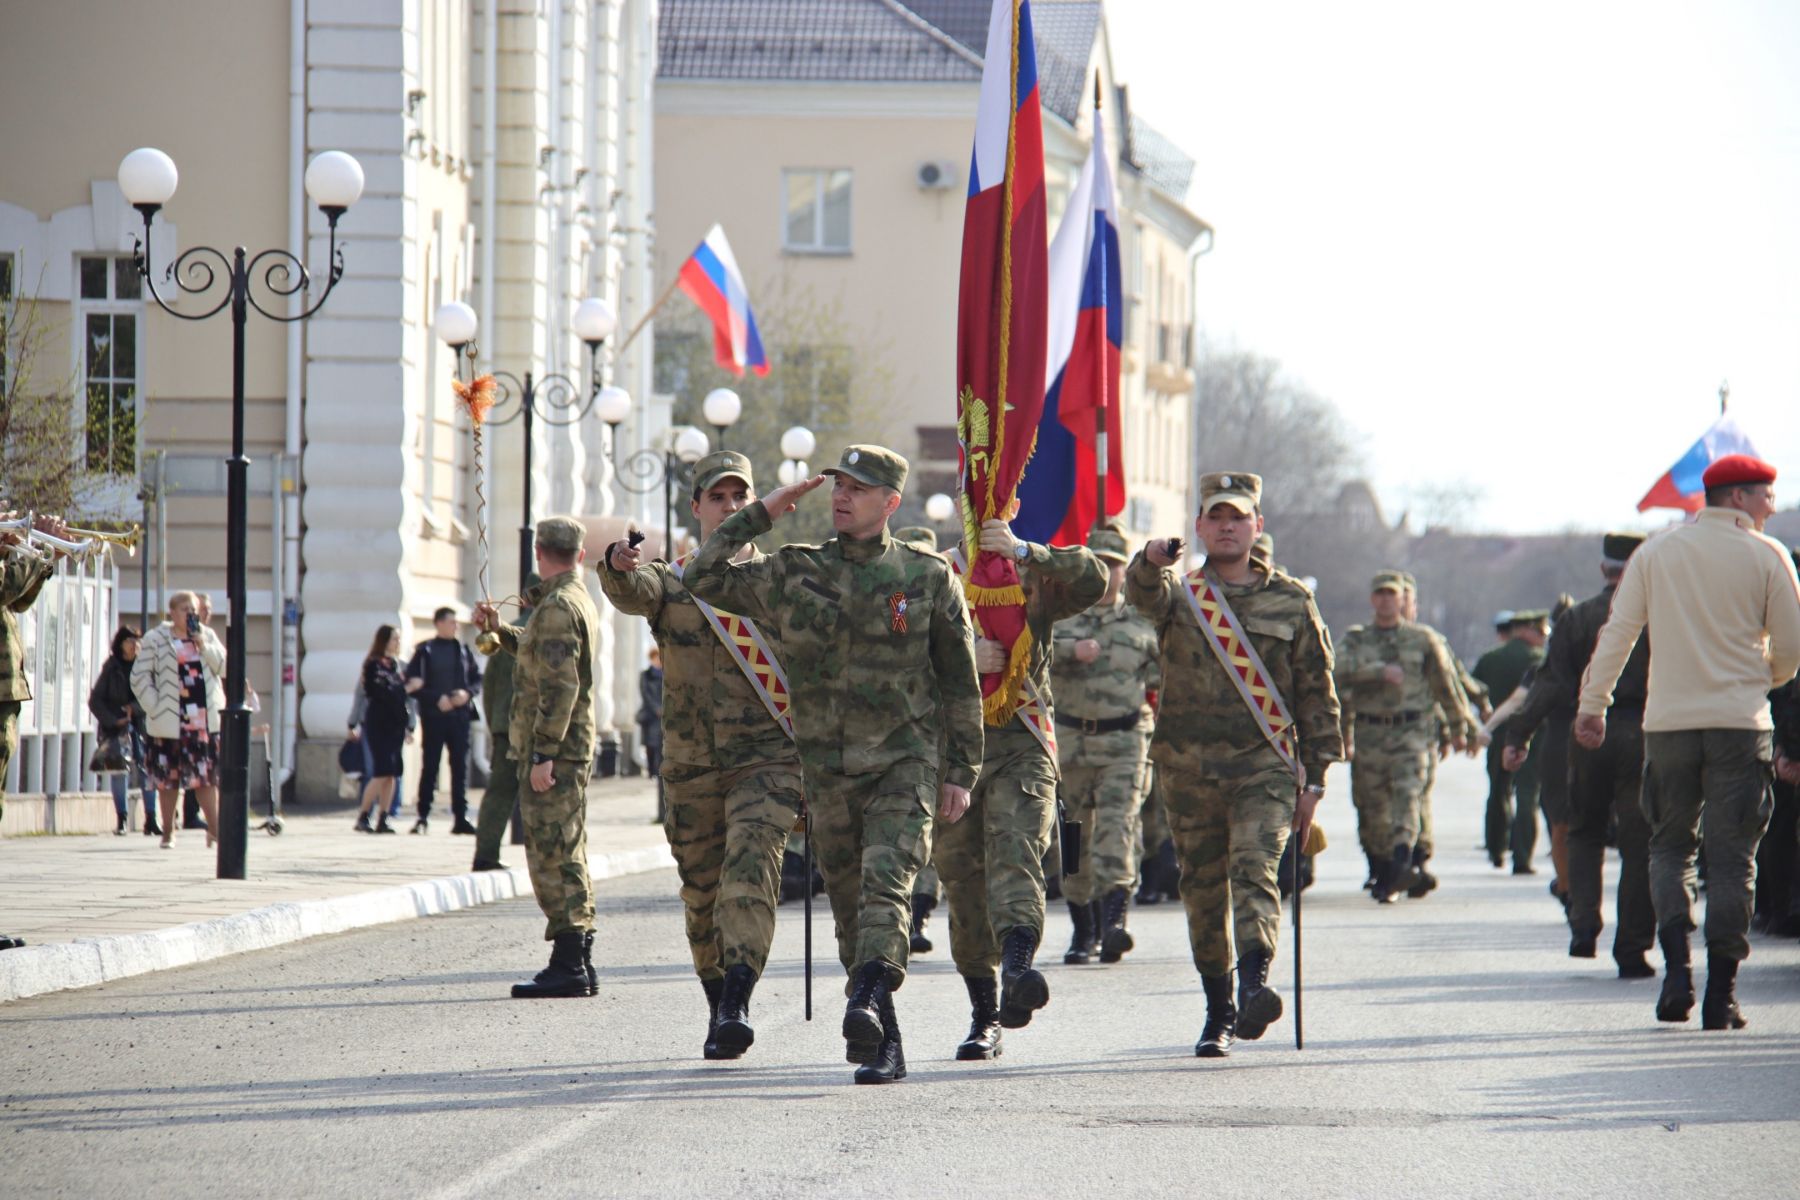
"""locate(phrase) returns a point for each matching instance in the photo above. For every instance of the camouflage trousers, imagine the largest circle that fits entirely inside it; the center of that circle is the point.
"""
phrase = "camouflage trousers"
(992, 860)
(871, 835)
(728, 831)
(498, 801)
(1229, 835)
(1106, 798)
(1387, 783)
(1426, 841)
(927, 883)
(556, 849)
(1152, 824)
(9, 742)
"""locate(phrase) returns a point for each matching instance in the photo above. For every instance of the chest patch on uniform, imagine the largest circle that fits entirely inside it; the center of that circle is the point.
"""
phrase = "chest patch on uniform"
(897, 609)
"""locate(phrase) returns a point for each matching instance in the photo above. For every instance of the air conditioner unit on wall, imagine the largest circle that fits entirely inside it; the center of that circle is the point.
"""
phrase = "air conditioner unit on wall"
(935, 176)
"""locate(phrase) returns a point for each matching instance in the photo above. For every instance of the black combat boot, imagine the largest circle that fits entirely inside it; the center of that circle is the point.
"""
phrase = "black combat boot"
(710, 1050)
(488, 864)
(1374, 878)
(922, 905)
(1115, 939)
(733, 1033)
(565, 976)
(1584, 945)
(1677, 1000)
(1258, 1005)
(1720, 1008)
(1168, 870)
(1083, 945)
(984, 1022)
(1220, 1029)
(8, 942)
(863, 1030)
(1401, 875)
(1633, 964)
(889, 1063)
(793, 876)
(1424, 882)
(1380, 869)
(1023, 989)
(587, 962)
(1149, 883)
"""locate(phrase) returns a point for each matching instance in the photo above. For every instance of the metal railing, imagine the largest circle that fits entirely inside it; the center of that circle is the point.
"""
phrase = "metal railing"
(67, 635)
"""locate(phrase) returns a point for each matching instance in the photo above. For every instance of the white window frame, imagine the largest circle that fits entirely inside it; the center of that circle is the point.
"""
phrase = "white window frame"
(819, 177)
(78, 344)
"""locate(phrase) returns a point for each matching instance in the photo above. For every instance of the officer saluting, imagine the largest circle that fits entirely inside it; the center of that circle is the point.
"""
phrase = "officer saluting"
(1242, 749)
(881, 663)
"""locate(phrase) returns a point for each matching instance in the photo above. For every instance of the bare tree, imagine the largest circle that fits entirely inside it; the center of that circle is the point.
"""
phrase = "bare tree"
(38, 469)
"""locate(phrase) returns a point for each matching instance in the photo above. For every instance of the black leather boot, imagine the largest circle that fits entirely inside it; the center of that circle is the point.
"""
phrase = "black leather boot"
(1258, 1005)
(1220, 1029)
(863, 1030)
(1023, 989)
(1115, 939)
(983, 1041)
(889, 1063)
(1374, 872)
(734, 1033)
(710, 1050)
(1082, 946)
(1633, 964)
(565, 976)
(1168, 870)
(1677, 1000)
(1719, 1010)
(1424, 882)
(1149, 882)
(1401, 874)
(587, 963)
(921, 906)
(1380, 871)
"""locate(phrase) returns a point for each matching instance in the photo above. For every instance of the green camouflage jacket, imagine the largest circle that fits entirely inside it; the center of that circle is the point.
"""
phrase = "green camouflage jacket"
(711, 714)
(20, 583)
(1059, 582)
(553, 679)
(497, 692)
(1113, 685)
(872, 687)
(1431, 686)
(1201, 713)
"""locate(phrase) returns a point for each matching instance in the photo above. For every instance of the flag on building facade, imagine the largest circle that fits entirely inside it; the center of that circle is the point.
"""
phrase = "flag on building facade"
(1680, 486)
(1057, 500)
(711, 279)
(1002, 332)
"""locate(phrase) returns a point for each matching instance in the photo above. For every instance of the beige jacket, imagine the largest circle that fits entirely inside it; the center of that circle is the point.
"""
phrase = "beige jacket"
(156, 680)
(1723, 606)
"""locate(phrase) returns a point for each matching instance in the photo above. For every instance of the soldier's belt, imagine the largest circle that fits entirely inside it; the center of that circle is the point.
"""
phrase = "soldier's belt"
(1389, 719)
(1092, 725)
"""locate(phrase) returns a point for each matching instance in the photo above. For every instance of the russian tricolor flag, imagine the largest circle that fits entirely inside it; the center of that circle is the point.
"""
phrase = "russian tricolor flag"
(1680, 487)
(1057, 501)
(711, 279)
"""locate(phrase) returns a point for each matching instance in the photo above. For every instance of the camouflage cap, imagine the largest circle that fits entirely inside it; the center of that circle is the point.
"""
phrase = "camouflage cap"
(1108, 544)
(1240, 489)
(1531, 616)
(1388, 581)
(921, 534)
(876, 466)
(1617, 547)
(721, 464)
(562, 534)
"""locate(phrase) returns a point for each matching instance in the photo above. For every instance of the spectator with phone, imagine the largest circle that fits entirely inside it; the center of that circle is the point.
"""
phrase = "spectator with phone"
(178, 681)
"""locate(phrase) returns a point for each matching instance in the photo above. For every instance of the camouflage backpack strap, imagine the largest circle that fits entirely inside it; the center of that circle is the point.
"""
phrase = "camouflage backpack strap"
(1243, 665)
(750, 651)
(1033, 708)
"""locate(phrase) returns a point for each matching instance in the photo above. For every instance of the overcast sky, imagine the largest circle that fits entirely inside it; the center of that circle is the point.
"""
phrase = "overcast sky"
(1520, 245)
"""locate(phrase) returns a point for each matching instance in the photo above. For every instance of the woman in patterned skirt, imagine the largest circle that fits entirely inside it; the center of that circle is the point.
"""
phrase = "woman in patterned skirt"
(177, 679)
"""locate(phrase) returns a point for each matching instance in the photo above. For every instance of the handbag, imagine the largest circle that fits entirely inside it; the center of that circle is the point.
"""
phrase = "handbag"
(112, 753)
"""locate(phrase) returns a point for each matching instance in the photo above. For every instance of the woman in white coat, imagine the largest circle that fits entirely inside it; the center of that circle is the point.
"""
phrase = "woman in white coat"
(178, 679)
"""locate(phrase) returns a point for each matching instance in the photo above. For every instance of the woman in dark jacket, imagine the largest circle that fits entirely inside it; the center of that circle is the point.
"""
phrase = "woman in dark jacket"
(384, 725)
(115, 708)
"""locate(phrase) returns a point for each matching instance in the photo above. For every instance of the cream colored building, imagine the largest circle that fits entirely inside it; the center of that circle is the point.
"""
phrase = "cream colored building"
(506, 146)
(831, 138)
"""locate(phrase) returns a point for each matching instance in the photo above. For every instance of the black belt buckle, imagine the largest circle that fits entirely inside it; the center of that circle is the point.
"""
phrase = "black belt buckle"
(1090, 725)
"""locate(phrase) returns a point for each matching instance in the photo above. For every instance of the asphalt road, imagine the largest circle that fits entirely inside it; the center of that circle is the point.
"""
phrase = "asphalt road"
(1452, 1050)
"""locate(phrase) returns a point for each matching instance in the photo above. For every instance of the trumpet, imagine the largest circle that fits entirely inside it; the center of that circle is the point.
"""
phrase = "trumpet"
(35, 543)
(126, 540)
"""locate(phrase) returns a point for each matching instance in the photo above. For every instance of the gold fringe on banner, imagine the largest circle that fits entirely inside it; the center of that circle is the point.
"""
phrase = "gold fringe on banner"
(992, 597)
(999, 708)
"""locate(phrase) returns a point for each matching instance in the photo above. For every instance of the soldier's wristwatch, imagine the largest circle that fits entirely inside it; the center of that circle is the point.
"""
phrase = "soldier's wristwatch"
(1022, 551)
(1317, 789)
(538, 760)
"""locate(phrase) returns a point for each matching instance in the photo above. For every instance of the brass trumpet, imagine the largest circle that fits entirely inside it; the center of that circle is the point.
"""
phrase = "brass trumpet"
(126, 541)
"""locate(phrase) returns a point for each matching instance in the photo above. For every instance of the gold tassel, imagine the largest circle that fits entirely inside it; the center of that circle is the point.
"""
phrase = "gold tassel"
(999, 708)
(993, 597)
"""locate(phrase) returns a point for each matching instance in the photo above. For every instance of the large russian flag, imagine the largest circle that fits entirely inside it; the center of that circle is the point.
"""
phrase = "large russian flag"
(1057, 500)
(711, 279)
(1002, 331)
(1680, 487)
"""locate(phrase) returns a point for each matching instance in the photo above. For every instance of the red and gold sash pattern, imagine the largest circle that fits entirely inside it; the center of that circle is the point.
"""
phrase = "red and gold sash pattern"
(1244, 665)
(744, 642)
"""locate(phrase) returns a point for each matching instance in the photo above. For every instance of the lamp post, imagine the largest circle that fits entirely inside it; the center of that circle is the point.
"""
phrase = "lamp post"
(148, 178)
(797, 445)
(673, 465)
(563, 400)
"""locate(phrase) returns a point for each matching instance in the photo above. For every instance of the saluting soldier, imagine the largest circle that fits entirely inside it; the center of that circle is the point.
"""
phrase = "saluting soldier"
(1396, 676)
(22, 577)
(729, 763)
(1106, 665)
(550, 734)
(881, 663)
(992, 862)
(1243, 756)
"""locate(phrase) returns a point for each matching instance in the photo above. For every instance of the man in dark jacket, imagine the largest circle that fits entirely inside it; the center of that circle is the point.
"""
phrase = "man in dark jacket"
(443, 678)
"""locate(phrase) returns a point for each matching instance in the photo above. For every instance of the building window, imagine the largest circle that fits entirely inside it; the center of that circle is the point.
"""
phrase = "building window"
(110, 316)
(816, 212)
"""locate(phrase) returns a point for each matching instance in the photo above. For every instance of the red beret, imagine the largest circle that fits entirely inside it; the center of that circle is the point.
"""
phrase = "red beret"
(1735, 469)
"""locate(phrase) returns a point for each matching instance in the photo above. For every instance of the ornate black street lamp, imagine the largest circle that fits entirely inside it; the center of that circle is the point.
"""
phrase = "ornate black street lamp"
(148, 178)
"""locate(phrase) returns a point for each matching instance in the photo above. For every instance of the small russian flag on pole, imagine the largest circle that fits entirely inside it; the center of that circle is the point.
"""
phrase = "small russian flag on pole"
(711, 279)
(1681, 486)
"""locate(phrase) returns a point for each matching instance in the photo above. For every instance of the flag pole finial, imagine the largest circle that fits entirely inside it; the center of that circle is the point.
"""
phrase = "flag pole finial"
(1724, 395)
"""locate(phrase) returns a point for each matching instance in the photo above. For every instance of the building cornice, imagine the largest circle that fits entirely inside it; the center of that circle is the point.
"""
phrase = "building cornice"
(1151, 202)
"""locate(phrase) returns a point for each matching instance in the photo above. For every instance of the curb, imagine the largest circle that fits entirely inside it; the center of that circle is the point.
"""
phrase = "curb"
(35, 970)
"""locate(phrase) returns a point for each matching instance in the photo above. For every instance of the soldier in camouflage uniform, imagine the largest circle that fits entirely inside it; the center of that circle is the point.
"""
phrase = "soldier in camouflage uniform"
(1395, 675)
(1475, 698)
(881, 662)
(731, 770)
(501, 798)
(992, 862)
(551, 726)
(21, 579)
(927, 888)
(1233, 798)
(1106, 664)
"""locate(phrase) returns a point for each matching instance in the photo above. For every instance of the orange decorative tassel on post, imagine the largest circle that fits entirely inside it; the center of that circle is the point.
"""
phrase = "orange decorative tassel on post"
(477, 398)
